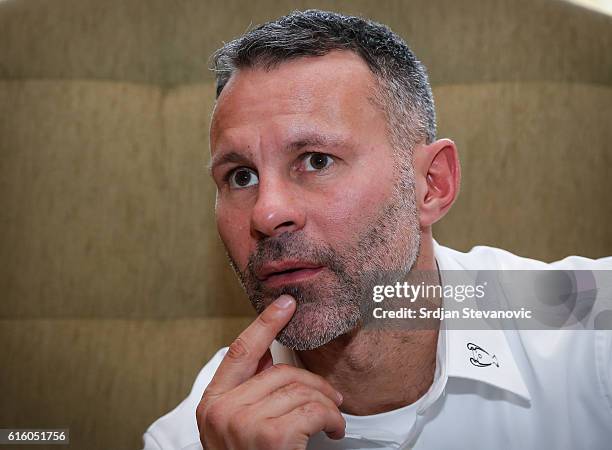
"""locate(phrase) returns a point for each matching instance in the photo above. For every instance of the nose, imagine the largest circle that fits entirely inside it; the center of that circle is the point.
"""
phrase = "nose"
(276, 210)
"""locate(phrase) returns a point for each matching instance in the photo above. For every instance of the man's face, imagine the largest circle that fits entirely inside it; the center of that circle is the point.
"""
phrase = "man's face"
(308, 197)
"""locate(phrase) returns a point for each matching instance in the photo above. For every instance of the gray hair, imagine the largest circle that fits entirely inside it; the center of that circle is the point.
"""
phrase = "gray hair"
(403, 93)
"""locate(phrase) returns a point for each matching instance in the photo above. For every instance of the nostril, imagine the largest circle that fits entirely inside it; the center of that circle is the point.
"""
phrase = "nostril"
(284, 225)
(272, 218)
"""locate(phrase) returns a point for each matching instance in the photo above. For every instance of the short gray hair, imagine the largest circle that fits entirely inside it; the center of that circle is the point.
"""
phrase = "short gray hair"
(404, 92)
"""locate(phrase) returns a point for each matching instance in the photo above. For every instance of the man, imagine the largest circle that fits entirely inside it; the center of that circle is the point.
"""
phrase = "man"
(329, 179)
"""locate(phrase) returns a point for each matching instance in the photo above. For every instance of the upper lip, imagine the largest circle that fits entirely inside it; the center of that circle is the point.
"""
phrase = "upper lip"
(273, 268)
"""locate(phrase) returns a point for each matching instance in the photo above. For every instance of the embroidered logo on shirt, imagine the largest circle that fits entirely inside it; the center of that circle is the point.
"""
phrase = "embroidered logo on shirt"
(480, 357)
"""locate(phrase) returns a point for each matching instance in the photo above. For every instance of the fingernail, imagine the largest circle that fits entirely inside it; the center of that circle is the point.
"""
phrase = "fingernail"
(340, 398)
(284, 301)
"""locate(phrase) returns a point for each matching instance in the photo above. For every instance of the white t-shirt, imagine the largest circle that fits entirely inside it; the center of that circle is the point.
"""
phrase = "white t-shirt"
(548, 389)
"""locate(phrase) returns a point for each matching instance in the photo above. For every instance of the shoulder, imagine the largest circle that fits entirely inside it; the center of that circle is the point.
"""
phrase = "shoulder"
(178, 429)
(482, 257)
(581, 351)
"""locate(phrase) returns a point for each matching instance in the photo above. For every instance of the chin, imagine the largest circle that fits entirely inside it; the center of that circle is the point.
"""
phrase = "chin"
(314, 325)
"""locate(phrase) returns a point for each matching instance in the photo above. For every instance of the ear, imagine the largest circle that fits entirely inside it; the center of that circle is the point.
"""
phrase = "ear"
(438, 177)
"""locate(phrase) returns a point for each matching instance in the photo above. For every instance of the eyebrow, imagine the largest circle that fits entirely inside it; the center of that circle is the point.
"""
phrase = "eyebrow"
(301, 142)
(315, 140)
(229, 157)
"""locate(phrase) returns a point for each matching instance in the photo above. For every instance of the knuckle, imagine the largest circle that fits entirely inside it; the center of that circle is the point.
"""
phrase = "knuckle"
(200, 411)
(265, 320)
(237, 423)
(237, 349)
(281, 369)
(206, 396)
(322, 381)
(337, 416)
(268, 438)
(214, 417)
(314, 408)
(202, 408)
(298, 389)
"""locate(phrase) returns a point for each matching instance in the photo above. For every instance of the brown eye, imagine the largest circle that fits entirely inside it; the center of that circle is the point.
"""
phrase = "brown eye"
(242, 178)
(317, 161)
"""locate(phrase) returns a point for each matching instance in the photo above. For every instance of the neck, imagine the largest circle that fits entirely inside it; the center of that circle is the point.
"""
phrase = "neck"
(374, 381)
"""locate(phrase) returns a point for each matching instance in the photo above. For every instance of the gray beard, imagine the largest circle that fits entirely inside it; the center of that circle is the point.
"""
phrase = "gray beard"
(334, 305)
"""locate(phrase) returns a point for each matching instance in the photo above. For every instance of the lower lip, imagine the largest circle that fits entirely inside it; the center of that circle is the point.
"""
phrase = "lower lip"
(292, 277)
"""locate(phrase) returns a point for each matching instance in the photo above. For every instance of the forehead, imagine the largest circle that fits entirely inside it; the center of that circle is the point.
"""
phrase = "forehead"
(335, 90)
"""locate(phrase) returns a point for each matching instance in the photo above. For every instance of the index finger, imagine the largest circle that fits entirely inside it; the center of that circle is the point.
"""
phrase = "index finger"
(242, 358)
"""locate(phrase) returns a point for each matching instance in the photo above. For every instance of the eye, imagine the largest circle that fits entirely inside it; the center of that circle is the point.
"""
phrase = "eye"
(242, 177)
(317, 161)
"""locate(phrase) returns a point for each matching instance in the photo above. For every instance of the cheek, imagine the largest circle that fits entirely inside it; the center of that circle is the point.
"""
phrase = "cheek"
(351, 209)
(234, 232)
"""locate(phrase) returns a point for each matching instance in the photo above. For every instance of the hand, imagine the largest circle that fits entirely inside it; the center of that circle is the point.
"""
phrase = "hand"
(252, 404)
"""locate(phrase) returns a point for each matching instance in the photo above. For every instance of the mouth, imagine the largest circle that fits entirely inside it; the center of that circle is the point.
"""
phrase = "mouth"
(278, 274)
